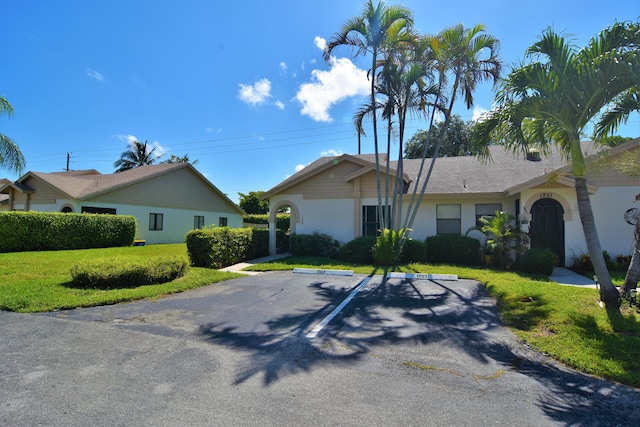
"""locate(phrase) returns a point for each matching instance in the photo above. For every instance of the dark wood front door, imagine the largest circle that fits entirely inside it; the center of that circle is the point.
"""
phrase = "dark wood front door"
(547, 227)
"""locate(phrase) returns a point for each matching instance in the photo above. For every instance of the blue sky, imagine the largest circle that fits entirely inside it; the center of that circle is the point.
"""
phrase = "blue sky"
(239, 86)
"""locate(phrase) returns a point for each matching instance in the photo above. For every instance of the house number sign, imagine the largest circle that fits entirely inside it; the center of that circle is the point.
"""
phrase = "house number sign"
(546, 195)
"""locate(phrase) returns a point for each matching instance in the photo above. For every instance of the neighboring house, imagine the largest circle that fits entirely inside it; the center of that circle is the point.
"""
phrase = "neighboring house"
(338, 196)
(167, 200)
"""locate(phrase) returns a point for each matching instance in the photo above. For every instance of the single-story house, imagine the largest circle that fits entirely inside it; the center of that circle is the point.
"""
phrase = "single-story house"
(167, 199)
(337, 195)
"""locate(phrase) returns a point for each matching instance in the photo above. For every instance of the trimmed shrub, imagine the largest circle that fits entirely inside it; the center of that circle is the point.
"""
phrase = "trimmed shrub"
(538, 261)
(414, 251)
(282, 220)
(116, 273)
(358, 250)
(218, 247)
(453, 249)
(314, 244)
(50, 231)
(259, 245)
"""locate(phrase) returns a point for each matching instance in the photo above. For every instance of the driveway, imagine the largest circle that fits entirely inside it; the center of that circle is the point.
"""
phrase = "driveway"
(250, 351)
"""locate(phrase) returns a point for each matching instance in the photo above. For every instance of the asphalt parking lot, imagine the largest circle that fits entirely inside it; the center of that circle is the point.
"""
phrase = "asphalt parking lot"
(259, 350)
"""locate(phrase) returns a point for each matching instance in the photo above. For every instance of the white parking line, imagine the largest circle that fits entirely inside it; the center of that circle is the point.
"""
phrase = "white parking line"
(321, 271)
(396, 275)
(314, 332)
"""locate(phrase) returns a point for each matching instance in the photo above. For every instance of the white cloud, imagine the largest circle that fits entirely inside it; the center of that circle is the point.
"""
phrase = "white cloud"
(212, 130)
(331, 152)
(342, 81)
(279, 104)
(94, 74)
(300, 167)
(478, 111)
(283, 68)
(255, 94)
(320, 42)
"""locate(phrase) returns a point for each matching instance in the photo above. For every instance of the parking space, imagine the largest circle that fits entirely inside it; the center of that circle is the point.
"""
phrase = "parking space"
(401, 351)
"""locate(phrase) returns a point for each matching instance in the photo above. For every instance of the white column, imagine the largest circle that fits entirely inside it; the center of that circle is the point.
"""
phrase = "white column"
(272, 237)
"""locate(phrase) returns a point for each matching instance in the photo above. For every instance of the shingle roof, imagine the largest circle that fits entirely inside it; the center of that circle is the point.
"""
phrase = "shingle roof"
(459, 175)
(83, 184)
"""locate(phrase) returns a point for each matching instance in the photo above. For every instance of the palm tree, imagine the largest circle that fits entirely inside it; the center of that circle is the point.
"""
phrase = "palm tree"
(10, 155)
(137, 155)
(552, 99)
(375, 29)
(461, 59)
(183, 159)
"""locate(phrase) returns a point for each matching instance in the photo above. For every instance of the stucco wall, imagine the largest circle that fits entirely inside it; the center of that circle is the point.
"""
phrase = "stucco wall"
(176, 222)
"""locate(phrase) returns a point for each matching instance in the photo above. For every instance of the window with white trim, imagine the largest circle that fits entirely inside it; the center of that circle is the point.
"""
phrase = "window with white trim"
(448, 219)
(371, 220)
(155, 221)
(486, 209)
(198, 222)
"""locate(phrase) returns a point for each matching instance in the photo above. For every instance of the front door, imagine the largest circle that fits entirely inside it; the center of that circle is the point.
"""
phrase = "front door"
(547, 227)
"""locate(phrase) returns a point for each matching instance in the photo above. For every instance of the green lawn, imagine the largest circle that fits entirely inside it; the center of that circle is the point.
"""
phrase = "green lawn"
(41, 281)
(562, 321)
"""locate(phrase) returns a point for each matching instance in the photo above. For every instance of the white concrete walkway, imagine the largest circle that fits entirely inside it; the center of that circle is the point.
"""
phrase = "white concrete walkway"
(237, 268)
(567, 277)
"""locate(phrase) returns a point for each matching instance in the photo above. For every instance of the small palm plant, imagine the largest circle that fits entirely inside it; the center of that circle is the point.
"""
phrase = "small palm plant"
(502, 237)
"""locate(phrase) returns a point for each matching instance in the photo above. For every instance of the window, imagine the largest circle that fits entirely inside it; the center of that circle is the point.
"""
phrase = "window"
(448, 219)
(486, 209)
(222, 221)
(198, 222)
(91, 209)
(371, 220)
(155, 221)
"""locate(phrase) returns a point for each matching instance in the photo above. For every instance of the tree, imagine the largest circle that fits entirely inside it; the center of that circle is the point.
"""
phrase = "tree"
(457, 140)
(10, 155)
(553, 96)
(183, 159)
(137, 155)
(460, 58)
(376, 29)
(253, 203)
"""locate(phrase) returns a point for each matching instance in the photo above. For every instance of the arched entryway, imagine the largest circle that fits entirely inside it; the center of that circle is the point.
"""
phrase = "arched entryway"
(547, 227)
(294, 219)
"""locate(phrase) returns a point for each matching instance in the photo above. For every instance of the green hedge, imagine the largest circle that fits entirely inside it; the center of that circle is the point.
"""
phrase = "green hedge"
(116, 273)
(48, 231)
(283, 220)
(218, 247)
(453, 249)
(538, 261)
(314, 244)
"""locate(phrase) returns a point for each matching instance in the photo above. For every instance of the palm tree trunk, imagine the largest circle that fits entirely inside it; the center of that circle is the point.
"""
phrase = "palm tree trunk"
(633, 272)
(608, 293)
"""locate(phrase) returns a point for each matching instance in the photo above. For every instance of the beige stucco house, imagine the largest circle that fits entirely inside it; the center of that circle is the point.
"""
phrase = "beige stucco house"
(337, 196)
(167, 200)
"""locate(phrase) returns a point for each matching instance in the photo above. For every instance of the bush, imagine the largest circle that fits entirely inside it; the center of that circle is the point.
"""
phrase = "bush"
(453, 249)
(358, 250)
(314, 244)
(386, 251)
(282, 220)
(51, 231)
(414, 251)
(538, 261)
(259, 245)
(582, 263)
(218, 247)
(116, 273)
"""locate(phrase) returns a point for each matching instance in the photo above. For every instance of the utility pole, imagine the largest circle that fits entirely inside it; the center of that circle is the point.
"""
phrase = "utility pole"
(68, 157)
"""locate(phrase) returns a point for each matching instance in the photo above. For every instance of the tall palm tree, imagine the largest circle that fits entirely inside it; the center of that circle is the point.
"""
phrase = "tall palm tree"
(369, 34)
(10, 155)
(554, 97)
(461, 58)
(139, 154)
